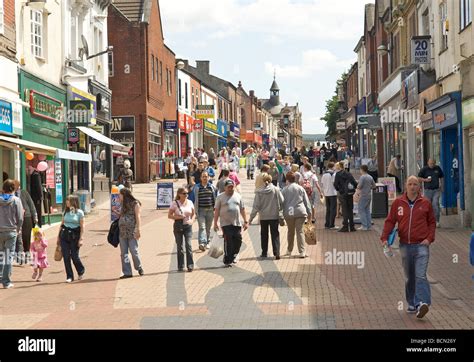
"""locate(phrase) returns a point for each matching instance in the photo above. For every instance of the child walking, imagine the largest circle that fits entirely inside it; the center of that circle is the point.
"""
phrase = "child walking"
(38, 251)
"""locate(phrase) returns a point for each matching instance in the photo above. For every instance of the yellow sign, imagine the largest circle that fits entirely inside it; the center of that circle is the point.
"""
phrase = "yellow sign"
(210, 126)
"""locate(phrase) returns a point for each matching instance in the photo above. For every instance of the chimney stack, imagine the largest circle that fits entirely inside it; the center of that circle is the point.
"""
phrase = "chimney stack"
(203, 66)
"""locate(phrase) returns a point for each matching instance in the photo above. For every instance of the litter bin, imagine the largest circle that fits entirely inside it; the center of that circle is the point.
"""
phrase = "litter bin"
(84, 200)
(380, 201)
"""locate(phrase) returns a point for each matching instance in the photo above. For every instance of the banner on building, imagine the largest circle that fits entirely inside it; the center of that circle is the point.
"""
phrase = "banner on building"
(204, 112)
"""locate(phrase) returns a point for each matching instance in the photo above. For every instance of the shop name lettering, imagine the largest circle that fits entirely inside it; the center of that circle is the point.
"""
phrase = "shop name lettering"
(440, 118)
(5, 116)
(210, 126)
(46, 108)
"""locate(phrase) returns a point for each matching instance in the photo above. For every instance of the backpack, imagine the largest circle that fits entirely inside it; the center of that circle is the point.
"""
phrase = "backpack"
(308, 187)
(349, 188)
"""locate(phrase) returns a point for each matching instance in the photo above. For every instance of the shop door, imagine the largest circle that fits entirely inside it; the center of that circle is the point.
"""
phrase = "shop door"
(450, 165)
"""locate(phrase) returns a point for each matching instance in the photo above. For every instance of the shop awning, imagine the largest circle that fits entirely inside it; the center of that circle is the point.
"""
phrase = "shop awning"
(16, 144)
(100, 137)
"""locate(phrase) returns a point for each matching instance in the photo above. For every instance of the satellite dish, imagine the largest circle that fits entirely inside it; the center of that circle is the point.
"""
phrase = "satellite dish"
(85, 48)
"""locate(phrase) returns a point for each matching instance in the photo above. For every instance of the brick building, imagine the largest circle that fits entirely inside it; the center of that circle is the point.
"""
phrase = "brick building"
(143, 81)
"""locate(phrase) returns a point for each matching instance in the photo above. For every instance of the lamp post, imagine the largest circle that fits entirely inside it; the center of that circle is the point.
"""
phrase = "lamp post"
(179, 66)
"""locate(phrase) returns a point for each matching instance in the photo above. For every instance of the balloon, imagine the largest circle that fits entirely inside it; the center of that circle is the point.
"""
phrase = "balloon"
(42, 166)
(41, 157)
(29, 156)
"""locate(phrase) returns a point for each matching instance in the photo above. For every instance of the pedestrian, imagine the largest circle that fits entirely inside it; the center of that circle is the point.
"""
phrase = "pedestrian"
(209, 170)
(223, 158)
(259, 183)
(235, 161)
(205, 194)
(364, 193)
(39, 254)
(11, 220)
(130, 225)
(265, 156)
(305, 161)
(394, 171)
(432, 176)
(70, 237)
(334, 151)
(221, 183)
(182, 212)
(321, 161)
(30, 218)
(296, 209)
(229, 208)
(192, 168)
(273, 152)
(295, 169)
(330, 196)
(250, 160)
(311, 155)
(416, 229)
(296, 156)
(268, 203)
(373, 167)
(204, 155)
(346, 185)
(273, 172)
(310, 183)
(234, 177)
(212, 157)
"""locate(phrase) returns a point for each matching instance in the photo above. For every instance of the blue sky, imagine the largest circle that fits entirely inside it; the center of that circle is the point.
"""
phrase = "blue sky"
(308, 42)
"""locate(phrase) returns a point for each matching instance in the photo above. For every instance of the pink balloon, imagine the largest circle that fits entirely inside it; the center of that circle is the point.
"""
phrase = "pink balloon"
(41, 157)
(42, 166)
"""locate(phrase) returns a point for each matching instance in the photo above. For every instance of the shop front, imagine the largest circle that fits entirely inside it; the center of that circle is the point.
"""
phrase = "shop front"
(123, 132)
(447, 140)
(468, 132)
(234, 134)
(223, 132)
(210, 136)
(185, 123)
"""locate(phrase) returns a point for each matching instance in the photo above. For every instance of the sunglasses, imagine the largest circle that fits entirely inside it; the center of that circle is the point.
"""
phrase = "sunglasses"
(184, 193)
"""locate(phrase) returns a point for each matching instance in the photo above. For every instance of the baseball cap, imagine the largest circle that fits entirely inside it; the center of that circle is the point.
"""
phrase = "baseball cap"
(229, 182)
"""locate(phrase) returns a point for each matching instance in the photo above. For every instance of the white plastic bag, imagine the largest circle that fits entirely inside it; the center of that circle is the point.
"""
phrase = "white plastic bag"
(217, 246)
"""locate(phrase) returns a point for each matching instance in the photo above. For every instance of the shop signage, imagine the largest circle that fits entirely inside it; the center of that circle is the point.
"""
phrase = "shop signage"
(125, 138)
(50, 175)
(80, 112)
(266, 138)
(445, 116)
(391, 186)
(184, 144)
(170, 125)
(164, 195)
(189, 125)
(6, 116)
(421, 49)
(234, 130)
(123, 124)
(44, 106)
(281, 135)
(341, 126)
(210, 126)
(197, 125)
(72, 136)
(58, 175)
(79, 95)
(222, 128)
(182, 121)
(204, 112)
(468, 112)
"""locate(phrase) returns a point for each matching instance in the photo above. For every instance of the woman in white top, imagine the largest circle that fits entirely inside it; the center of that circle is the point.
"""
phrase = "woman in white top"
(182, 212)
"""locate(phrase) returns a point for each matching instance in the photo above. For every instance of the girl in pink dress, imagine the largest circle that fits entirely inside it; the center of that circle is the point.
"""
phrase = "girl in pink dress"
(38, 251)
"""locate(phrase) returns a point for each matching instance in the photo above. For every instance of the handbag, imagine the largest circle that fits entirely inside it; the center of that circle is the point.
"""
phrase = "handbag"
(310, 234)
(58, 254)
(281, 219)
(179, 224)
(114, 234)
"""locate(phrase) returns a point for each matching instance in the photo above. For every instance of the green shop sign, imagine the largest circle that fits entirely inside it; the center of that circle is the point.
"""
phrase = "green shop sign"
(468, 112)
(210, 126)
(44, 106)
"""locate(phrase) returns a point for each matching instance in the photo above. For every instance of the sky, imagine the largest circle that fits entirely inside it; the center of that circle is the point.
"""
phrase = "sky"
(309, 43)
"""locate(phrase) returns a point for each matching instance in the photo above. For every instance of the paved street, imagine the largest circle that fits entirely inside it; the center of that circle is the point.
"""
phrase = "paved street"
(290, 293)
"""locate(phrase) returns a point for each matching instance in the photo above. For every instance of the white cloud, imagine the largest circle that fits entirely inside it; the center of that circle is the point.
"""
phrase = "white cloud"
(313, 61)
(313, 19)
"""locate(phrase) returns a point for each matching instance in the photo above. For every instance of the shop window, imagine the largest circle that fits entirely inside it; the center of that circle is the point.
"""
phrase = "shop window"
(466, 13)
(444, 26)
(152, 67)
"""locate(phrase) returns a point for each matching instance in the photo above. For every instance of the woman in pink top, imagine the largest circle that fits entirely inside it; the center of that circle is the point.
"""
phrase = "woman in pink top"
(233, 175)
(40, 257)
(182, 212)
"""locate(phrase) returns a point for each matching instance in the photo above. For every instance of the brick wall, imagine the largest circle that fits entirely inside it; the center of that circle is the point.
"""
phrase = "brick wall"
(8, 39)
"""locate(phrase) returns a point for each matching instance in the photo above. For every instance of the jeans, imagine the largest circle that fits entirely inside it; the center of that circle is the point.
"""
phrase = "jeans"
(26, 233)
(7, 249)
(125, 245)
(415, 259)
(187, 235)
(232, 242)
(295, 225)
(364, 211)
(433, 196)
(205, 219)
(331, 209)
(70, 251)
(347, 204)
(273, 225)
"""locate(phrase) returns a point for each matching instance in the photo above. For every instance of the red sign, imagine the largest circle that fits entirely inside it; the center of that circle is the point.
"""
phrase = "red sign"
(198, 124)
(50, 180)
(184, 145)
(189, 125)
(182, 121)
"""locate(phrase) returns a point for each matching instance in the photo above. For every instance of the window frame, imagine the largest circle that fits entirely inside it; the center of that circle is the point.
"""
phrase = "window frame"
(465, 14)
(152, 67)
(37, 47)
(443, 16)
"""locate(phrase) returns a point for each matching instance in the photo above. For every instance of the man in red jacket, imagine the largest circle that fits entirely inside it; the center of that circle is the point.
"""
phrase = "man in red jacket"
(416, 229)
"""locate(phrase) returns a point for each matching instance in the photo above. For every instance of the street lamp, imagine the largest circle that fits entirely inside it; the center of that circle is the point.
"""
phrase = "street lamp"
(179, 66)
(383, 50)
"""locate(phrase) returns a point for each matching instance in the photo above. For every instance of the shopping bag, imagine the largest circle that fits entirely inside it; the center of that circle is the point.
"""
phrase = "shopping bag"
(58, 254)
(323, 200)
(310, 234)
(216, 249)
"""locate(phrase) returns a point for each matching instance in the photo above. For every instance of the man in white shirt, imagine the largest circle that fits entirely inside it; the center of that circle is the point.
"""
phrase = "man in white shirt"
(330, 196)
(273, 152)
